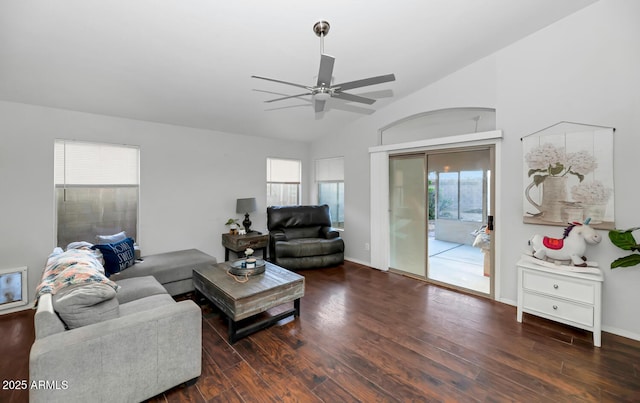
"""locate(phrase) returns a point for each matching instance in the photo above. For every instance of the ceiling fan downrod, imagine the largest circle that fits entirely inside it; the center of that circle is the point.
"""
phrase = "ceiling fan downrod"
(321, 28)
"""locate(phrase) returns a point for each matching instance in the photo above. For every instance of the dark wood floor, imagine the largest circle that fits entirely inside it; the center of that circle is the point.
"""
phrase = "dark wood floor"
(366, 336)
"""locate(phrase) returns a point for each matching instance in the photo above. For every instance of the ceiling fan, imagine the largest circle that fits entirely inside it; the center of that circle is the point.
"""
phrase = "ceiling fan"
(323, 89)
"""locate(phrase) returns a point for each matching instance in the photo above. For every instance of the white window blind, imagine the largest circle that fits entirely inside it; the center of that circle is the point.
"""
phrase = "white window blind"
(283, 171)
(283, 182)
(83, 163)
(330, 169)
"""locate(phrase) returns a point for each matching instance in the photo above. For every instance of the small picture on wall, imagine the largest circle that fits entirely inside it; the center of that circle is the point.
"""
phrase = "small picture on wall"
(568, 175)
(13, 287)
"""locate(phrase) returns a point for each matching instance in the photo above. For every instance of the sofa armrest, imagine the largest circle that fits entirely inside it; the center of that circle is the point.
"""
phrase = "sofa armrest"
(130, 358)
(330, 232)
(46, 319)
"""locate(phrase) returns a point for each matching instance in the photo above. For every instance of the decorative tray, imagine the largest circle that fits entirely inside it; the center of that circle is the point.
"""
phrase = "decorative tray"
(241, 268)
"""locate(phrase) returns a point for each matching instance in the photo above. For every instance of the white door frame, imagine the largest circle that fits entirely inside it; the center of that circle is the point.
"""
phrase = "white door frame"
(379, 179)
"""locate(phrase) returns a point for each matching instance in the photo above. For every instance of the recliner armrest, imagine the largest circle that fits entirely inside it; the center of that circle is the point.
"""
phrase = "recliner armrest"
(278, 236)
(330, 232)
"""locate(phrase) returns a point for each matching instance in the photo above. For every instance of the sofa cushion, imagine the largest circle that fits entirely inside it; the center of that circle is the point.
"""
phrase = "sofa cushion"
(309, 247)
(303, 232)
(117, 256)
(85, 304)
(138, 287)
(168, 267)
(279, 217)
(145, 304)
(311, 262)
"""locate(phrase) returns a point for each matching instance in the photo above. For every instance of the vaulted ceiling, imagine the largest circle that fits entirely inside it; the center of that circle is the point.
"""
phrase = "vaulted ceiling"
(189, 62)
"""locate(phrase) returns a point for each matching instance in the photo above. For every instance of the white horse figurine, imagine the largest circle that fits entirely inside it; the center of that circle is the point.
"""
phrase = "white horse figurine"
(570, 247)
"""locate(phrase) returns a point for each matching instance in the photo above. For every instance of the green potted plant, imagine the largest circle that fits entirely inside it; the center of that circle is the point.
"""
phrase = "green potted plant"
(233, 225)
(624, 240)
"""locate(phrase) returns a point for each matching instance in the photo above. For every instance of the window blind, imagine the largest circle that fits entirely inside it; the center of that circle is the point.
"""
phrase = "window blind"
(283, 171)
(330, 169)
(84, 163)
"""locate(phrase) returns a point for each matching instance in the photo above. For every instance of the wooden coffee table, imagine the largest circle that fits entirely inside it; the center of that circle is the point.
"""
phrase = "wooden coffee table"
(261, 292)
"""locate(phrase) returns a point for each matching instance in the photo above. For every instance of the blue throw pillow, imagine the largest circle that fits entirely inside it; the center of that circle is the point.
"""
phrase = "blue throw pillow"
(117, 256)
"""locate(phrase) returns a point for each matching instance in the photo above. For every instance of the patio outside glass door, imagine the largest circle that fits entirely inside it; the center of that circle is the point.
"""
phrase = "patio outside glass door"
(459, 247)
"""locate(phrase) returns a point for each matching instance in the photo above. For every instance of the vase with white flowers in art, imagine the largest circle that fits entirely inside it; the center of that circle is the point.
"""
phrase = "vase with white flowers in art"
(549, 169)
(593, 196)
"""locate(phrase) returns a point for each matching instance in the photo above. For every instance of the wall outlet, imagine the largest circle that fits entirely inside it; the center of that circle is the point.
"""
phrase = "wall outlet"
(367, 246)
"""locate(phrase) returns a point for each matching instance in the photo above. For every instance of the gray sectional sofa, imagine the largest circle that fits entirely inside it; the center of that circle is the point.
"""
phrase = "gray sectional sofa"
(133, 345)
(173, 269)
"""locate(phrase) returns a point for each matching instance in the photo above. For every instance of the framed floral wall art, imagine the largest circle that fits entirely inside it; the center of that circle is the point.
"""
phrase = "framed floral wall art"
(568, 175)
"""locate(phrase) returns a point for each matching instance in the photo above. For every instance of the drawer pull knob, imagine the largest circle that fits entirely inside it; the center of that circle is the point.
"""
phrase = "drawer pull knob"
(555, 286)
(555, 307)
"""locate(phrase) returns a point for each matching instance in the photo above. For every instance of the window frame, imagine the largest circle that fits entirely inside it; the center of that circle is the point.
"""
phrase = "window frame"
(269, 182)
(460, 177)
(131, 182)
(333, 177)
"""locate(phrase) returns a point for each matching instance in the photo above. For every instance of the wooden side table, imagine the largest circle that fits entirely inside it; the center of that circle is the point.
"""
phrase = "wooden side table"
(239, 243)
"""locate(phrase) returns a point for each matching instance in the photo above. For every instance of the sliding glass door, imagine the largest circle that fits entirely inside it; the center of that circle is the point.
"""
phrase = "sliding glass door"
(440, 203)
(408, 221)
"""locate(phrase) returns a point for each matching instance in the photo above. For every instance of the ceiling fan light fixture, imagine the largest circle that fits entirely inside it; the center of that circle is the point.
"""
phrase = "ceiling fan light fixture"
(321, 96)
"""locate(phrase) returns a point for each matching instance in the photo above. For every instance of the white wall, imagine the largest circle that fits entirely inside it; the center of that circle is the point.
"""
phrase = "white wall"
(584, 69)
(190, 180)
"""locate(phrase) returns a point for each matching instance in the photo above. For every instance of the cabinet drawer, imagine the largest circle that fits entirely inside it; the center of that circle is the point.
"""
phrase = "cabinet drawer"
(252, 243)
(558, 308)
(239, 243)
(558, 286)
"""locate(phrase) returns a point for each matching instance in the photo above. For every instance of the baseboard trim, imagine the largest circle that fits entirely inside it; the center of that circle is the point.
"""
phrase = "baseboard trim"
(507, 301)
(621, 332)
(30, 305)
(368, 264)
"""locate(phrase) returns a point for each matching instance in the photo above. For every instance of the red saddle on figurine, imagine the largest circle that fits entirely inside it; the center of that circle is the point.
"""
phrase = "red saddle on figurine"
(553, 243)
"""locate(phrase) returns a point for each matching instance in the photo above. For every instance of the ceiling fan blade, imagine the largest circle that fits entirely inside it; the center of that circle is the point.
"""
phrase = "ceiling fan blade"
(365, 81)
(289, 96)
(319, 105)
(282, 82)
(353, 98)
(326, 70)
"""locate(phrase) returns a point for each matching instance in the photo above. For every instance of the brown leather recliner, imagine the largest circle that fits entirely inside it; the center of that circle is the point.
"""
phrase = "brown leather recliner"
(301, 237)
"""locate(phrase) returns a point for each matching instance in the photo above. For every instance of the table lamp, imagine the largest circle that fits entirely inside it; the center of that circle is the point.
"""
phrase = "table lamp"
(246, 206)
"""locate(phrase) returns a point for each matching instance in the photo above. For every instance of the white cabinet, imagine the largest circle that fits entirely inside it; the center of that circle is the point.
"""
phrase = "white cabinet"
(564, 296)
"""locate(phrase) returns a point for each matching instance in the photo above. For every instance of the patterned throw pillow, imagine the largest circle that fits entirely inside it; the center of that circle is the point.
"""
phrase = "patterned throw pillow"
(117, 256)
